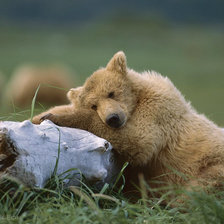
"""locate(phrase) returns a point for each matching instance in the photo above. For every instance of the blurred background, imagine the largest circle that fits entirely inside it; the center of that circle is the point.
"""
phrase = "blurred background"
(181, 39)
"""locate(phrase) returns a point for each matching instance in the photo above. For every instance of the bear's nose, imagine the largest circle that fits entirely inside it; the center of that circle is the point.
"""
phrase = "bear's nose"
(113, 120)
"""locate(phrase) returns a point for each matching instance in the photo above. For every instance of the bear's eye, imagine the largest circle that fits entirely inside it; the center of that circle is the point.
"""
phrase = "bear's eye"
(111, 95)
(94, 107)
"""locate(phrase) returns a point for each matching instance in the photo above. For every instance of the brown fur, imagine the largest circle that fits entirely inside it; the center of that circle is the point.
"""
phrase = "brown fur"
(24, 83)
(161, 135)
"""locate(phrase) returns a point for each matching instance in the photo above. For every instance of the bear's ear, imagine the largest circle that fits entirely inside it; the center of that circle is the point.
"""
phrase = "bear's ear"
(73, 93)
(118, 63)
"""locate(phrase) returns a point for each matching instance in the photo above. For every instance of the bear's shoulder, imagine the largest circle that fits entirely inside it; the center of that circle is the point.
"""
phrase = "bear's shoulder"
(152, 80)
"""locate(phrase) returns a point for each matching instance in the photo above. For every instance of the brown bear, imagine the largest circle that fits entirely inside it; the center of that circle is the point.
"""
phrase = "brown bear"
(54, 81)
(149, 124)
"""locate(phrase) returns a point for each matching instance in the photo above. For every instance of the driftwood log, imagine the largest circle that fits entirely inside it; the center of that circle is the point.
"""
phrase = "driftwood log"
(29, 153)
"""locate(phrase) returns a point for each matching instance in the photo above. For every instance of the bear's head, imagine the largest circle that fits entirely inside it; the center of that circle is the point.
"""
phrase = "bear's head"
(108, 92)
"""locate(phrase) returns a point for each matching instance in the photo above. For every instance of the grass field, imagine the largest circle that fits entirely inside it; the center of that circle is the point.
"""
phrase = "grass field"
(192, 57)
(55, 204)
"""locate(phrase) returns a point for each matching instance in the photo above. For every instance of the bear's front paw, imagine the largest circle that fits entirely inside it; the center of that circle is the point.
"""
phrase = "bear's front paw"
(36, 120)
(40, 118)
(51, 117)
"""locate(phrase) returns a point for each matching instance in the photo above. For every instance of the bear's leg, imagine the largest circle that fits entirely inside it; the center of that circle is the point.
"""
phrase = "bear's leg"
(55, 110)
(82, 119)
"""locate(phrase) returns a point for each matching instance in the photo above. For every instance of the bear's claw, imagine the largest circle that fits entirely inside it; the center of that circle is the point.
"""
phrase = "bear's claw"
(46, 117)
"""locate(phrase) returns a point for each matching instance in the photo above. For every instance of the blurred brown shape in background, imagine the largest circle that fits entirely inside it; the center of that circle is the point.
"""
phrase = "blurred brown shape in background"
(54, 81)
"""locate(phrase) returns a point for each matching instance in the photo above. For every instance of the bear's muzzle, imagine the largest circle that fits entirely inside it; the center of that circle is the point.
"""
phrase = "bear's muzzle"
(114, 121)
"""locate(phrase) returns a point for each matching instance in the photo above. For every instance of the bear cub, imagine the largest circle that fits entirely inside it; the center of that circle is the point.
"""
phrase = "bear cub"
(149, 124)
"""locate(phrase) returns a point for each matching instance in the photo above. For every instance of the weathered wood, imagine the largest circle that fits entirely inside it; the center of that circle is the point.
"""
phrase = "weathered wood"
(29, 152)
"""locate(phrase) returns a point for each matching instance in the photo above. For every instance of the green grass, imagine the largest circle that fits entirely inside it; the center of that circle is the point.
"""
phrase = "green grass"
(56, 204)
(192, 57)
